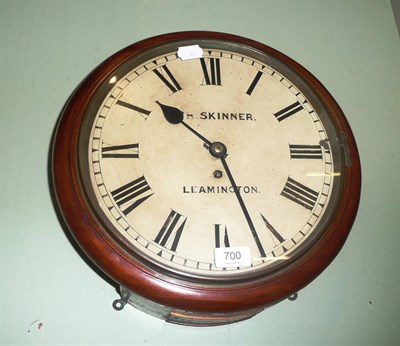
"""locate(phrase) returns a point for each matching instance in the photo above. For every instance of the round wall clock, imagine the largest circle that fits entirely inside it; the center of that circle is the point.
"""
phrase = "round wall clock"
(209, 175)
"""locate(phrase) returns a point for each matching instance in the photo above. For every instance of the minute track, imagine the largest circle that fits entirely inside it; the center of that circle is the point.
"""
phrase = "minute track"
(259, 79)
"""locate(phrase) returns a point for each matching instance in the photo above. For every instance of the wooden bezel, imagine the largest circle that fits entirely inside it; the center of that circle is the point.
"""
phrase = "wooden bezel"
(190, 302)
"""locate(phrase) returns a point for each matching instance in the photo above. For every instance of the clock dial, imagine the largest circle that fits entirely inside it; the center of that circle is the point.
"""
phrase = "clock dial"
(224, 150)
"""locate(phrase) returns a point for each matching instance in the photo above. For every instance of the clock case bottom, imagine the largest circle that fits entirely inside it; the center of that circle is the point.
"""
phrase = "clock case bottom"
(181, 317)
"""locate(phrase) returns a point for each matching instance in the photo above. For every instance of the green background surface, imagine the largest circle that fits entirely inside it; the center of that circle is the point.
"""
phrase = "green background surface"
(48, 47)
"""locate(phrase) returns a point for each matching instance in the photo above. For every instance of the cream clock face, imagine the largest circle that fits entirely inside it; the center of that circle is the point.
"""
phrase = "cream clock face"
(219, 166)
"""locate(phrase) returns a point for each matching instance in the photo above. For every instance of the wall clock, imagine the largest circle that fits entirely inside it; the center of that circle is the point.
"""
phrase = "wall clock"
(209, 175)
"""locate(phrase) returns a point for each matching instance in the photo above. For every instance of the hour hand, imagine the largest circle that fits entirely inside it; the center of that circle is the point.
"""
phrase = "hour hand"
(172, 114)
(175, 116)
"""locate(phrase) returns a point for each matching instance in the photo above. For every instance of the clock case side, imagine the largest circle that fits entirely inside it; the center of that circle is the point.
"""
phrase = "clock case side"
(195, 299)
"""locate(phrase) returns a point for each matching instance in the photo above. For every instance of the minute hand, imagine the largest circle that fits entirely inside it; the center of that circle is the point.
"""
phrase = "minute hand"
(243, 207)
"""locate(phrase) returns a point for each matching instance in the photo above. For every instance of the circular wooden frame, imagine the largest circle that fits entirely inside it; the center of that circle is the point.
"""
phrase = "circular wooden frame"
(189, 302)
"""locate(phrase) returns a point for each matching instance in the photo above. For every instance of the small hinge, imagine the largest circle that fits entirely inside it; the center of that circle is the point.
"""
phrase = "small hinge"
(119, 304)
(343, 144)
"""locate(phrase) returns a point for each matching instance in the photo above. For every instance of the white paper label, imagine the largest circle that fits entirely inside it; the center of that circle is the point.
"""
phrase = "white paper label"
(190, 52)
(232, 257)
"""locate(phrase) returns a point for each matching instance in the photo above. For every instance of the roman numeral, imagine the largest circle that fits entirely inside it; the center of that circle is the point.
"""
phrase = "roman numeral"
(143, 112)
(132, 195)
(288, 111)
(221, 236)
(254, 83)
(167, 78)
(272, 230)
(121, 151)
(211, 73)
(300, 194)
(302, 151)
(171, 229)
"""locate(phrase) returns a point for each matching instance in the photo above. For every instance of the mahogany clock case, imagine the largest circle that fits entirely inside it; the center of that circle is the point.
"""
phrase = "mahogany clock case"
(230, 300)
